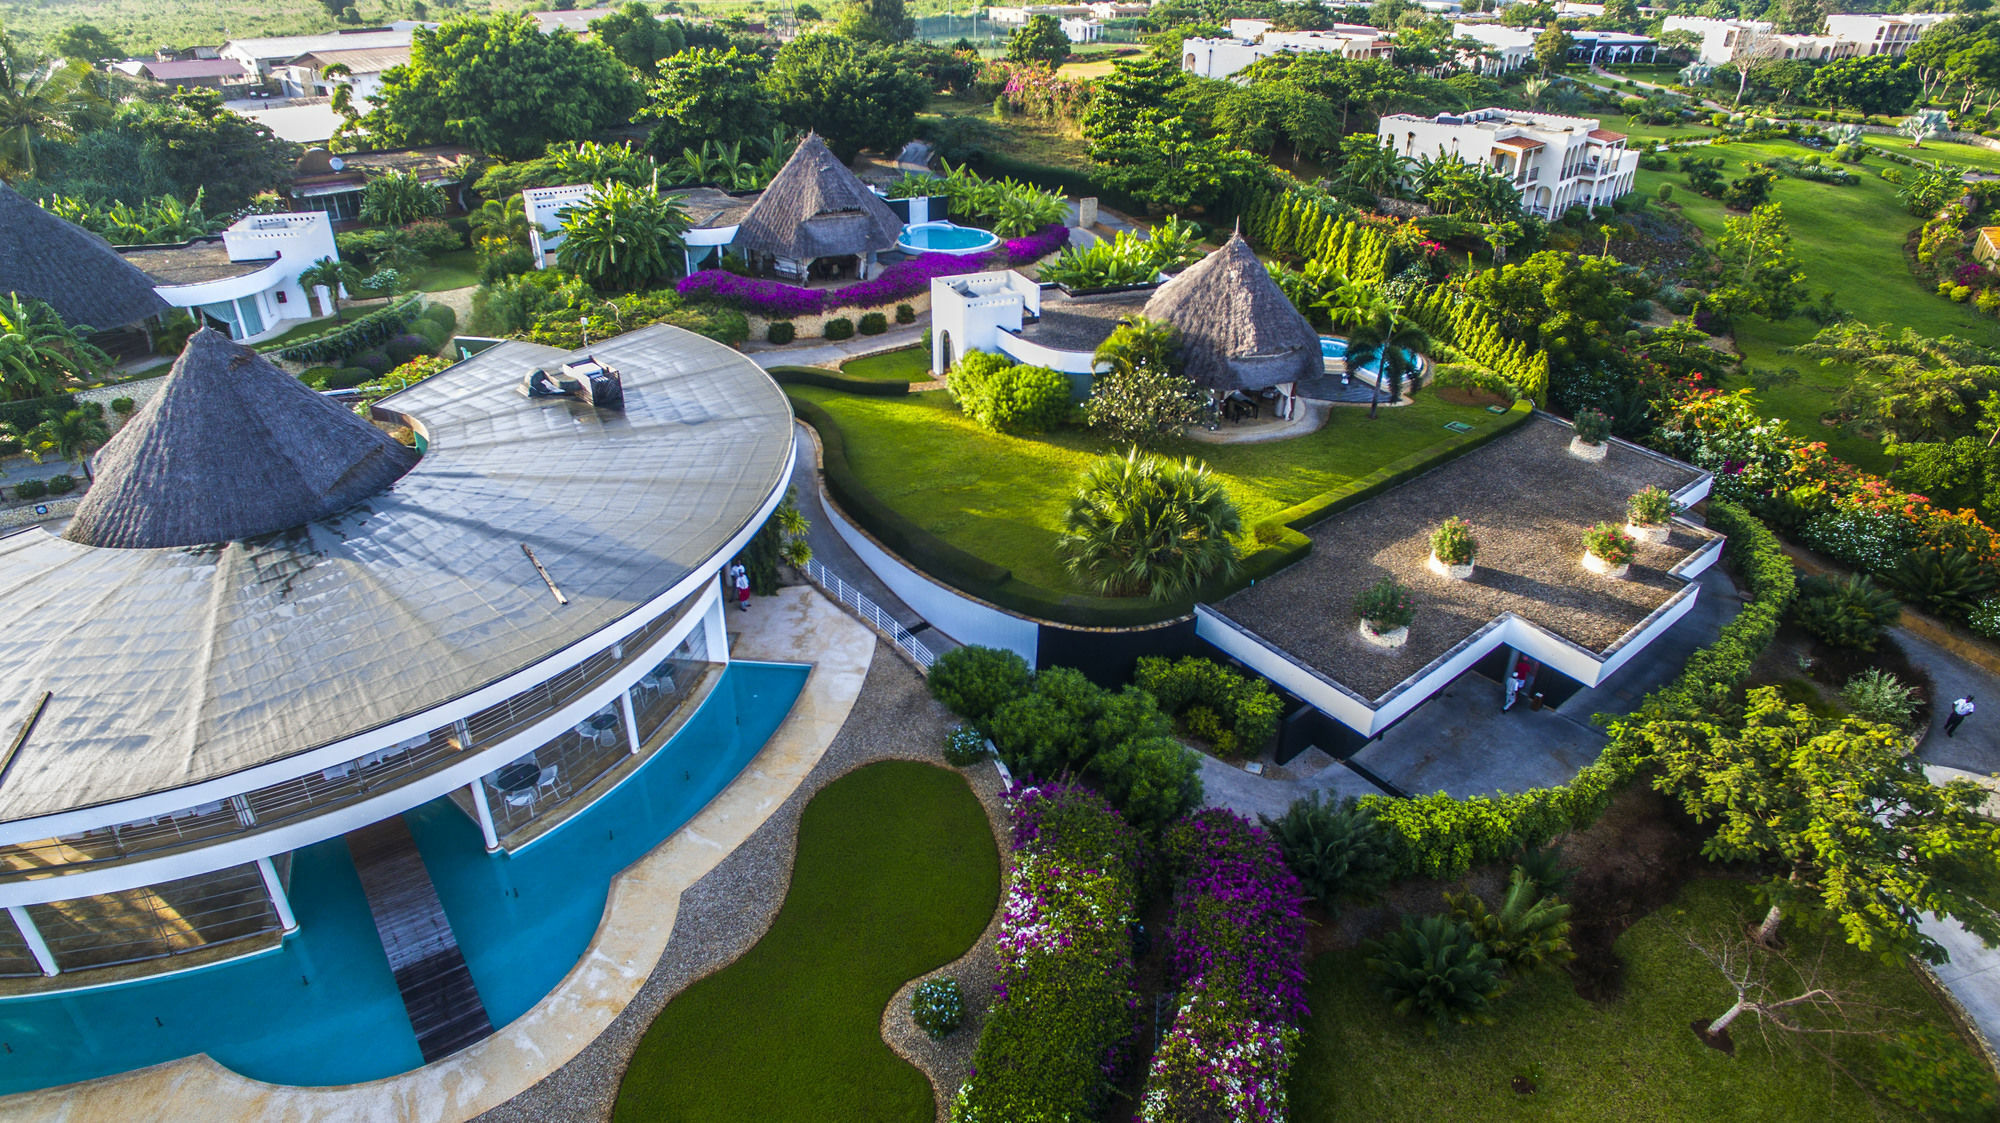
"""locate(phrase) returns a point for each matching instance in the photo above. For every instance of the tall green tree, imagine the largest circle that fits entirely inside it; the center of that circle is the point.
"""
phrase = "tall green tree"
(1144, 525)
(638, 39)
(39, 97)
(1552, 49)
(1760, 270)
(1039, 41)
(497, 84)
(624, 238)
(189, 142)
(74, 436)
(876, 21)
(1385, 343)
(84, 41)
(704, 94)
(1875, 84)
(1370, 167)
(1923, 388)
(854, 95)
(1858, 835)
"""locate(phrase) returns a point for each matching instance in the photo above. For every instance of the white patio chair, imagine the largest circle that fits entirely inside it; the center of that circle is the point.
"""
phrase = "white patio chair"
(547, 779)
(521, 799)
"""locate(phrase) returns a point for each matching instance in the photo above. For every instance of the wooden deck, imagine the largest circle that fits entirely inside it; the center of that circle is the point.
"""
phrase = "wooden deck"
(444, 1007)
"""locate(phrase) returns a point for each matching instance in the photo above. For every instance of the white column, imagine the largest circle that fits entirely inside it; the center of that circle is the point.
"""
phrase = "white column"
(44, 958)
(631, 722)
(276, 889)
(716, 631)
(484, 812)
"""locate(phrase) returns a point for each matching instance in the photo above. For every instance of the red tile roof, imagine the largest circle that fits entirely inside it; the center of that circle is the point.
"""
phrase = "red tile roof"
(1605, 134)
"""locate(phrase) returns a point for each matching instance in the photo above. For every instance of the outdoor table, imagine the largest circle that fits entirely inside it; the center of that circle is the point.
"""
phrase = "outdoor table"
(603, 722)
(520, 776)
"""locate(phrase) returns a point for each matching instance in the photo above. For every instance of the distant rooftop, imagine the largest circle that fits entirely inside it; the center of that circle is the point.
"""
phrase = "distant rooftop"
(192, 263)
(279, 48)
(1080, 323)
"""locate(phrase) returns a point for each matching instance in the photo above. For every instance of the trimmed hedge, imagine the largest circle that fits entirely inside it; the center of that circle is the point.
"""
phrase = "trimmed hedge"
(838, 328)
(1443, 837)
(781, 332)
(376, 327)
(834, 380)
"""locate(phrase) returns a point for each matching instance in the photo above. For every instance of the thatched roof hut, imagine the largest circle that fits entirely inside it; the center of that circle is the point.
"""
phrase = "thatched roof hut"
(229, 448)
(1238, 330)
(815, 207)
(74, 271)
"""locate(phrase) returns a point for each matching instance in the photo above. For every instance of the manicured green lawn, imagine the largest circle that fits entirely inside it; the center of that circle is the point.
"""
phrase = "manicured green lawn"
(350, 310)
(1635, 1058)
(455, 270)
(1944, 150)
(896, 875)
(910, 364)
(1003, 498)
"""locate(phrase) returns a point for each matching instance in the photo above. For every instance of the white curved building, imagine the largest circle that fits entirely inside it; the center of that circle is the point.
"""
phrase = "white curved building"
(518, 623)
(244, 282)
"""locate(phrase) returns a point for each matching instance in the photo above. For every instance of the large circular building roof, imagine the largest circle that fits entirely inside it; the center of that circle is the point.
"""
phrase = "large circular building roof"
(165, 667)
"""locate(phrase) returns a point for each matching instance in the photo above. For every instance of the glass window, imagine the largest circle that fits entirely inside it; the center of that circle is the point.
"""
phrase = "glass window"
(250, 317)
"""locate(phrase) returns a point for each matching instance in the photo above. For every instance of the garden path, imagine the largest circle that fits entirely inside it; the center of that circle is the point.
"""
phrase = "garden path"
(825, 353)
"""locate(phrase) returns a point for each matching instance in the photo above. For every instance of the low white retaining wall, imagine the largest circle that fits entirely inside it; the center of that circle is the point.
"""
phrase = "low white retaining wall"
(26, 514)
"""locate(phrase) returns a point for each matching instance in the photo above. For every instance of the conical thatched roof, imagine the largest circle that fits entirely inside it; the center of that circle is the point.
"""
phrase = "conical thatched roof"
(1238, 330)
(229, 448)
(76, 272)
(815, 207)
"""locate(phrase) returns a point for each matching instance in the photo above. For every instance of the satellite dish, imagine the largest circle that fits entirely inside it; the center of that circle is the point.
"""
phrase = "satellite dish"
(336, 163)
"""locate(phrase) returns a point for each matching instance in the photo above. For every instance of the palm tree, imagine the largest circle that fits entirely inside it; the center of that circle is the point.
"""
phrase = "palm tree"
(1354, 307)
(1533, 89)
(74, 435)
(331, 274)
(1145, 525)
(624, 238)
(1387, 340)
(499, 224)
(38, 352)
(38, 97)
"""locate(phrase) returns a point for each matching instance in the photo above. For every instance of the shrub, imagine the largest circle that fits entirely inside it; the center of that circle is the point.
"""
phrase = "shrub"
(1121, 744)
(1986, 618)
(442, 315)
(1528, 931)
(375, 360)
(31, 489)
(1240, 714)
(874, 323)
(1651, 507)
(972, 682)
(1878, 696)
(1665, 192)
(1144, 525)
(1268, 533)
(61, 485)
(1006, 397)
(123, 406)
(316, 377)
(964, 746)
(1436, 968)
(905, 314)
(840, 327)
(1338, 851)
(1593, 426)
(1864, 540)
(1848, 612)
(1947, 583)
(347, 378)
(1928, 1071)
(1453, 542)
(408, 346)
(1386, 605)
(1609, 543)
(937, 1007)
(781, 332)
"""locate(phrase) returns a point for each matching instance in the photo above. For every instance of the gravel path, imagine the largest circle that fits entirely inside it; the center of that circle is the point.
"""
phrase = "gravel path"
(725, 913)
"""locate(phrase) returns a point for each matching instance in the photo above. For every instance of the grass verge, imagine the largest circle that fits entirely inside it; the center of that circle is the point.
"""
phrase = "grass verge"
(908, 364)
(897, 874)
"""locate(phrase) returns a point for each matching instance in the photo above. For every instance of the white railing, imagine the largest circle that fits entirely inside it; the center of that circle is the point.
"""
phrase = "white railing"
(870, 612)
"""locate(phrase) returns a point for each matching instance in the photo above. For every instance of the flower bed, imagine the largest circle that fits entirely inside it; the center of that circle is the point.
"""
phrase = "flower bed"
(1238, 956)
(776, 300)
(1065, 1004)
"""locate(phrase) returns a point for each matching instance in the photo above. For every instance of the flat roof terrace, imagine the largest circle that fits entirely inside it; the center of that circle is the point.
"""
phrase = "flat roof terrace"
(1529, 503)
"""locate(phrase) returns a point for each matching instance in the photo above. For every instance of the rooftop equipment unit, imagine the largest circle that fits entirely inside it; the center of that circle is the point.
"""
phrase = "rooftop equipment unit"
(586, 380)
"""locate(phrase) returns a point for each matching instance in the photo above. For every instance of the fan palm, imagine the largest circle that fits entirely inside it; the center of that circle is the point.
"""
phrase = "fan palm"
(38, 352)
(500, 224)
(1529, 930)
(1437, 968)
(624, 238)
(1147, 525)
(332, 274)
(1386, 340)
(74, 435)
(38, 97)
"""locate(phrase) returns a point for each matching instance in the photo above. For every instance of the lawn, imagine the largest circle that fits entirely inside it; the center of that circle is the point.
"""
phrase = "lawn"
(1850, 240)
(1003, 498)
(907, 364)
(1633, 1058)
(455, 270)
(897, 874)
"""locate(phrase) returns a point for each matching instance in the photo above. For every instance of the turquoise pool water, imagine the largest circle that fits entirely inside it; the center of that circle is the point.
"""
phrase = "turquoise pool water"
(1336, 348)
(324, 1008)
(943, 237)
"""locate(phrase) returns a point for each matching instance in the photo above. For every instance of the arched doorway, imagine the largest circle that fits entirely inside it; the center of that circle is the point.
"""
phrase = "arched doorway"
(944, 359)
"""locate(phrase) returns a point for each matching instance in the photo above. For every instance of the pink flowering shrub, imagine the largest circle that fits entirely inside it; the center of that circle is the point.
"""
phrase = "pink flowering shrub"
(1064, 1006)
(1237, 943)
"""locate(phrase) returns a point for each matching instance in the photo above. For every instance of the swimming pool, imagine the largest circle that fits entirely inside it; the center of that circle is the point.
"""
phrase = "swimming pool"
(944, 237)
(1334, 347)
(324, 1008)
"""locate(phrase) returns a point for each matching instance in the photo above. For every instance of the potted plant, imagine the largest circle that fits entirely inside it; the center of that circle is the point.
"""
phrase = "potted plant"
(1608, 550)
(1593, 429)
(1386, 611)
(1452, 549)
(1648, 514)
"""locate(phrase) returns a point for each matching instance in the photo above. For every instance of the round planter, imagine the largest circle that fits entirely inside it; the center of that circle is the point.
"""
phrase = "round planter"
(1394, 638)
(1584, 450)
(1447, 570)
(1649, 532)
(1603, 568)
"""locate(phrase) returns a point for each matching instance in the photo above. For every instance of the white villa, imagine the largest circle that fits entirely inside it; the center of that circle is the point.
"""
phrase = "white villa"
(1252, 39)
(1554, 161)
(1846, 36)
(262, 56)
(1508, 48)
(244, 282)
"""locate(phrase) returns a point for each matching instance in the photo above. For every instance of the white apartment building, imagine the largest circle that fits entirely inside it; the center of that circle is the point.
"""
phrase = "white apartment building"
(1881, 34)
(1080, 30)
(1221, 58)
(1554, 161)
(244, 282)
(1507, 48)
(1846, 36)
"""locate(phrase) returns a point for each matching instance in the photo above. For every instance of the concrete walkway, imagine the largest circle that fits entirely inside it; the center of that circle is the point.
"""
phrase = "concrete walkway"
(799, 626)
(823, 353)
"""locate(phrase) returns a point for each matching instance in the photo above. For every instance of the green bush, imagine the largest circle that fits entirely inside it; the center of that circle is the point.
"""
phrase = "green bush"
(1608, 543)
(873, 323)
(905, 314)
(1338, 851)
(347, 378)
(964, 746)
(1238, 715)
(1007, 397)
(31, 489)
(1452, 542)
(1437, 969)
(1386, 605)
(1120, 744)
(1592, 426)
(316, 376)
(1651, 507)
(405, 347)
(781, 332)
(838, 328)
(1878, 696)
(376, 360)
(1848, 612)
(937, 1007)
(1926, 1070)
(1528, 931)
(1946, 583)
(442, 315)
(61, 485)
(123, 406)
(972, 682)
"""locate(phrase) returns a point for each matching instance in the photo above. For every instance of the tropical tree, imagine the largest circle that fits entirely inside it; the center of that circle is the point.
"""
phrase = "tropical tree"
(1528, 929)
(331, 274)
(39, 97)
(1436, 968)
(856, 95)
(1337, 849)
(1387, 343)
(74, 436)
(1038, 41)
(624, 238)
(706, 94)
(500, 224)
(1140, 395)
(1842, 812)
(637, 37)
(38, 352)
(84, 41)
(1370, 166)
(1926, 388)
(1144, 525)
(400, 198)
